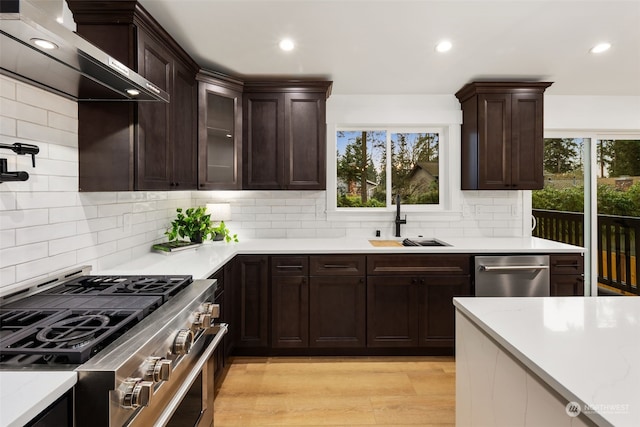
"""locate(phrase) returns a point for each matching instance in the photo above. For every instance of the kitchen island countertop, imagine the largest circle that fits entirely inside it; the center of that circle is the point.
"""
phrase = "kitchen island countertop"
(585, 349)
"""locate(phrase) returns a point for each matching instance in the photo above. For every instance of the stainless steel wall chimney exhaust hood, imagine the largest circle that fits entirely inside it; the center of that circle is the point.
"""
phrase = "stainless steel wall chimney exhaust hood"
(71, 66)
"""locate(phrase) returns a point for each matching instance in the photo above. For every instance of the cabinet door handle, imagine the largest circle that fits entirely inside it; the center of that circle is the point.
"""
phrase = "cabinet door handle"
(566, 265)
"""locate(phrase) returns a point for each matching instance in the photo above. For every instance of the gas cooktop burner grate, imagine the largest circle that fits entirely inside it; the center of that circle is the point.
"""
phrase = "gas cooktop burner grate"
(72, 336)
(15, 320)
(165, 286)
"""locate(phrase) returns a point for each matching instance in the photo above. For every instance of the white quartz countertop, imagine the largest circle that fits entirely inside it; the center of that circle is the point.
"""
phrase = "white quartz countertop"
(24, 394)
(208, 258)
(587, 349)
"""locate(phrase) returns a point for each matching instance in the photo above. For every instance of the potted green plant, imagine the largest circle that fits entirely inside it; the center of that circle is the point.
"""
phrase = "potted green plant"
(195, 224)
(192, 223)
(222, 232)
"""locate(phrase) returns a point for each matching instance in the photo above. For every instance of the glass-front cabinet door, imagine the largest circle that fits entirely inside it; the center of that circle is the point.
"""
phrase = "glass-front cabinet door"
(220, 115)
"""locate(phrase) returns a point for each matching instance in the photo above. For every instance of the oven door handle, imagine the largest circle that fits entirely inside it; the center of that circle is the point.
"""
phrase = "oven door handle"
(171, 407)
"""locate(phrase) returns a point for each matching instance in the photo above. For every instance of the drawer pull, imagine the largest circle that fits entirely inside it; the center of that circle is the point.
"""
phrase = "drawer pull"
(336, 266)
(299, 267)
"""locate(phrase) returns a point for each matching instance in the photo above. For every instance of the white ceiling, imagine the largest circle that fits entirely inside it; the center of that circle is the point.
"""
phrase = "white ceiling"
(387, 46)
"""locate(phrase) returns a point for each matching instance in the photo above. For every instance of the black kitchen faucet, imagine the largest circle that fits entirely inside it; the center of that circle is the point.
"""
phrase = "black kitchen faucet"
(399, 221)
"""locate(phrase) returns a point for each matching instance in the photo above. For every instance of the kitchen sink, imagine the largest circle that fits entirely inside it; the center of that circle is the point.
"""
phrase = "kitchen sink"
(424, 242)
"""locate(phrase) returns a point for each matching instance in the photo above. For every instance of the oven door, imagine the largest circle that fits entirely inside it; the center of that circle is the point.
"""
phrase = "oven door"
(189, 401)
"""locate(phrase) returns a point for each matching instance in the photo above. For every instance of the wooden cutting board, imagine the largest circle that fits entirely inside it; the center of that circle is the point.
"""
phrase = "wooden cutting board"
(385, 243)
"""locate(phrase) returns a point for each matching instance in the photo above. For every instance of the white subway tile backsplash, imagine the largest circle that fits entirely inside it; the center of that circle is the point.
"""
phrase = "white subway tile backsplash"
(62, 152)
(286, 209)
(285, 224)
(132, 241)
(7, 238)
(8, 126)
(113, 260)
(23, 218)
(7, 276)
(7, 88)
(63, 183)
(44, 233)
(298, 233)
(36, 182)
(35, 200)
(7, 201)
(62, 122)
(72, 243)
(144, 207)
(113, 234)
(96, 224)
(31, 95)
(270, 233)
(37, 132)
(74, 213)
(97, 198)
(116, 209)
(95, 252)
(18, 254)
(23, 112)
(44, 266)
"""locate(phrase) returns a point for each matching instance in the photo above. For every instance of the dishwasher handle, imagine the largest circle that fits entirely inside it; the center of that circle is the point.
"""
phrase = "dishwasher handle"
(512, 267)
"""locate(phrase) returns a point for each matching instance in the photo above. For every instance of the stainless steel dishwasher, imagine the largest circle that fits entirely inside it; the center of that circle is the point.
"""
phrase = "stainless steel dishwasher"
(512, 276)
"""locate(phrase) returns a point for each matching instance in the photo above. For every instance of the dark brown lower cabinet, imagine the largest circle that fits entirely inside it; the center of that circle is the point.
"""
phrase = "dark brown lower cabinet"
(290, 311)
(567, 286)
(337, 312)
(251, 290)
(567, 275)
(437, 313)
(392, 311)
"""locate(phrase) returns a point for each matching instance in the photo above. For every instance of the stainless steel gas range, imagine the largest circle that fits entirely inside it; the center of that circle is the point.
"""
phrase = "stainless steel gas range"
(142, 346)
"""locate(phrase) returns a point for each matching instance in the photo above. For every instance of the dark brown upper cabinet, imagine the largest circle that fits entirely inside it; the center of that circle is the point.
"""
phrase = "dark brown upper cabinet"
(284, 135)
(219, 132)
(502, 135)
(144, 145)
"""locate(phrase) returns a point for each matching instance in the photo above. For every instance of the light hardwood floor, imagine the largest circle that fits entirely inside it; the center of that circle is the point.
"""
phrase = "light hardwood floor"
(352, 391)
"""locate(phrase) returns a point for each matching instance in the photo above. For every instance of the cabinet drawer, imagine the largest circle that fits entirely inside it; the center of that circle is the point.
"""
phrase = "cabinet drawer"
(417, 264)
(338, 265)
(567, 264)
(290, 265)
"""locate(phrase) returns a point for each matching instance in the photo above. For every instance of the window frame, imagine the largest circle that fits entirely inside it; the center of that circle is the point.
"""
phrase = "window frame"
(446, 142)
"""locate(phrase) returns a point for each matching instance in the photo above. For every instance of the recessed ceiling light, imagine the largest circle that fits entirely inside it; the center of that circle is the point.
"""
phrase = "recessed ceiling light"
(133, 92)
(44, 44)
(60, 20)
(600, 47)
(286, 45)
(444, 46)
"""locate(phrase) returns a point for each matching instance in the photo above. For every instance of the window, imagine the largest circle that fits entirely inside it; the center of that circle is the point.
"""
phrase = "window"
(373, 166)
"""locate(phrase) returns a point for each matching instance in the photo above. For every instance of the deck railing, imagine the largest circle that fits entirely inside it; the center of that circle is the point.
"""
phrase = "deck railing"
(618, 241)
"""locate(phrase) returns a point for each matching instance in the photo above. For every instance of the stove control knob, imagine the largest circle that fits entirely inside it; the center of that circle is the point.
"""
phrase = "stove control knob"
(182, 342)
(158, 369)
(136, 393)
(212, 309)
(202, 321)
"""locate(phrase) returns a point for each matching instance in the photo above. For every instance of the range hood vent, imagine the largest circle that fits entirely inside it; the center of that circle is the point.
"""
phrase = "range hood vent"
(75, 68)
